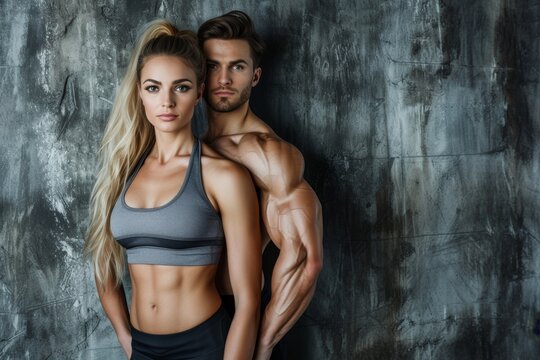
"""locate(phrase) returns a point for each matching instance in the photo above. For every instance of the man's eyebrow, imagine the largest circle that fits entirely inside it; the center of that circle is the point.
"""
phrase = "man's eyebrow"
(239, 61)
(233, 62)
(174, 82)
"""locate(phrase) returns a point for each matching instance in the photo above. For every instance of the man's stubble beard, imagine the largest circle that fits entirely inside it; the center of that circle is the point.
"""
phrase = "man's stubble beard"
(224, 105)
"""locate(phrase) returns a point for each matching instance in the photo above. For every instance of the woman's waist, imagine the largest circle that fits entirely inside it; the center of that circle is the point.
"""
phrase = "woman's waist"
(174, 317)
(166, 300)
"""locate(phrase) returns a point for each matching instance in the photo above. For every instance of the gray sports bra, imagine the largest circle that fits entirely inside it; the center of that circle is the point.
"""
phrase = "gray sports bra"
(185, 231)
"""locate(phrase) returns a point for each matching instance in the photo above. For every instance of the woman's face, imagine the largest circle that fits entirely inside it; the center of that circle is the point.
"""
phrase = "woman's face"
(169, 93)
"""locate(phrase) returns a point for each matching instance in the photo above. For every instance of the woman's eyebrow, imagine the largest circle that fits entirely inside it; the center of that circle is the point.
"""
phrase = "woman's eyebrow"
(174, 82)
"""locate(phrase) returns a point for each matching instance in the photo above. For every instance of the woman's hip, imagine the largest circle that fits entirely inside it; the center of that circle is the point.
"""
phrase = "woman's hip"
(205, 341)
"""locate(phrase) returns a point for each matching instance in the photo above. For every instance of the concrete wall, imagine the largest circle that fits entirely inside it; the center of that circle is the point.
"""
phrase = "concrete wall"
(418, 121)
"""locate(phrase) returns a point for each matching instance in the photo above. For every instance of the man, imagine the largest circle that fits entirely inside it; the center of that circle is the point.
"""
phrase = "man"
(290, 209)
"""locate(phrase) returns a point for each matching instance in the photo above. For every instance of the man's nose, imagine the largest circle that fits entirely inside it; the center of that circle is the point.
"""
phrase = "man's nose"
(224, 78)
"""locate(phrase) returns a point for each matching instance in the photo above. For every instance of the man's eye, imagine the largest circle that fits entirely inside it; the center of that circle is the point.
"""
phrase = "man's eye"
(211, 66)
(182, 88)
(238, 67)
(151, 88)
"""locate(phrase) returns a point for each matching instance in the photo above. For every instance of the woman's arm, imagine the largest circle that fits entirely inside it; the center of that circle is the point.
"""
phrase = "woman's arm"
(239, 209)
(113, 300)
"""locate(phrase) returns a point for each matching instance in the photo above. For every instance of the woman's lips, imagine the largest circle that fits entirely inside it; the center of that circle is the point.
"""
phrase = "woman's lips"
(167, 117)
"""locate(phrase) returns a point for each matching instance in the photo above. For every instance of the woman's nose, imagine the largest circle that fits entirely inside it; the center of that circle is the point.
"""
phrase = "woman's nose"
(167, 101)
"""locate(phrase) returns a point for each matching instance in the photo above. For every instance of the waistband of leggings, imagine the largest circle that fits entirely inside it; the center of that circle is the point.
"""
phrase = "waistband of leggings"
(209, 323)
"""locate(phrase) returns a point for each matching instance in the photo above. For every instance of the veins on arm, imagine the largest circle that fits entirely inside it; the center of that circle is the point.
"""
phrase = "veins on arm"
(292, 216)
(291, 213)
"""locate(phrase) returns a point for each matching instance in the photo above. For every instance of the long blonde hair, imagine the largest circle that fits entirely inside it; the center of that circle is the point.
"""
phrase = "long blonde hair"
(127, 136)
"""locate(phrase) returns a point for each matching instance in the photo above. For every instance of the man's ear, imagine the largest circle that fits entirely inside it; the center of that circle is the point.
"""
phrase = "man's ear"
(256, 76)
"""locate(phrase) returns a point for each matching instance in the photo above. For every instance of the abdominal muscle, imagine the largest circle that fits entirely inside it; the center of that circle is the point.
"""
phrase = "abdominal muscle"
(171, 299)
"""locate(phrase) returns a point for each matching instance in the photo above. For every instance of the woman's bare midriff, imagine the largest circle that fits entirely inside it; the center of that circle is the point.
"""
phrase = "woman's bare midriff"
(170, 299)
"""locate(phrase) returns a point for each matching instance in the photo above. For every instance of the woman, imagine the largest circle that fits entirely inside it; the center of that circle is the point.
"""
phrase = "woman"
(173, 203)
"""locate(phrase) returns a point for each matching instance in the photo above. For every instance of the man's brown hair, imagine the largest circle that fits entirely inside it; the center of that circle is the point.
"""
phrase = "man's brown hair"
(234, 25)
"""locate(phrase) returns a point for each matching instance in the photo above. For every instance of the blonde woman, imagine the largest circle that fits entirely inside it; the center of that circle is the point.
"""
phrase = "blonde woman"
(173, 203)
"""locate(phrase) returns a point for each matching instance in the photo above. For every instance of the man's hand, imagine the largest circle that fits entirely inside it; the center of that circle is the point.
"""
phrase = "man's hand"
(262, 353)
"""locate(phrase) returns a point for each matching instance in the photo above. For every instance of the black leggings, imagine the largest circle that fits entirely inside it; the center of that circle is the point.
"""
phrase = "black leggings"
(205, 341)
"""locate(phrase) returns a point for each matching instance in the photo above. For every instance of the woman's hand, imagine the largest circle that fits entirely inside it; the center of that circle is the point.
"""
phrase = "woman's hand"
(125, 342)
(113, 300)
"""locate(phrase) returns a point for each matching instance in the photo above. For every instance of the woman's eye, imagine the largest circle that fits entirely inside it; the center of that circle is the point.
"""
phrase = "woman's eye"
(182, 88)
(151, 88)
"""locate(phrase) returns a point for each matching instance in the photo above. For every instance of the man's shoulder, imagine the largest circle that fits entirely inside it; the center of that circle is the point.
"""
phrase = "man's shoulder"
(246, 141)
(267, 155)
(263, 142)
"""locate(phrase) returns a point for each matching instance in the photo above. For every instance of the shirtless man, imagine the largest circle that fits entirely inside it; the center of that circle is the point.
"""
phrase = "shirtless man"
(290, 209)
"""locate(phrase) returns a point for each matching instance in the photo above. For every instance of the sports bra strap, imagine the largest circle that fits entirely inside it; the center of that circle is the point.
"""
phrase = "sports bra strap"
(197, 172)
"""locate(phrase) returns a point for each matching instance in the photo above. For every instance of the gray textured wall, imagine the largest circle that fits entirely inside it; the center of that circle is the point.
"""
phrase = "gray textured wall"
(418, 121)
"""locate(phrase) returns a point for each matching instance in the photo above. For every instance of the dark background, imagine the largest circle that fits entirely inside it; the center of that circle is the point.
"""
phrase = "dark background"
(418, 121)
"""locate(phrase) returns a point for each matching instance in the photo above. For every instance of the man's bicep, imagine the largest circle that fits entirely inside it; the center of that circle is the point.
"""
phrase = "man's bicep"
(300, 212)
(295, 222)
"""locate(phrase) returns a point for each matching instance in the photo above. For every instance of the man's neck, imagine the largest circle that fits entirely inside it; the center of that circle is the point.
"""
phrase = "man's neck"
(228, 123)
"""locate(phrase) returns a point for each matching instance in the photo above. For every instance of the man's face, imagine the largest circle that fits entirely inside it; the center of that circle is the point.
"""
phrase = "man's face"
(230, 74)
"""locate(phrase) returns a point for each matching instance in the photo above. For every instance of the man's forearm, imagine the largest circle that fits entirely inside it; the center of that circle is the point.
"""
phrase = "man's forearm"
(292, 291)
